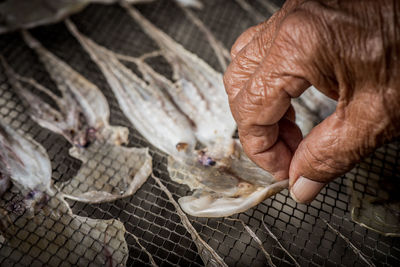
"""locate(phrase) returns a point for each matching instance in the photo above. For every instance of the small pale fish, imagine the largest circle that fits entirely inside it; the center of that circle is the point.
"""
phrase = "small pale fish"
(196, 83)
(101, 177)
(223, 191)
(145, 105)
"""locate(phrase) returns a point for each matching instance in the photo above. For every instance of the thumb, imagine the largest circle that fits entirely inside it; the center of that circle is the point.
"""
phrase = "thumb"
(334, 146)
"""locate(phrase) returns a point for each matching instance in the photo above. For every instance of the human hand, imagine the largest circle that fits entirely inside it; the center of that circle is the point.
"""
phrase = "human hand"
(350, 51)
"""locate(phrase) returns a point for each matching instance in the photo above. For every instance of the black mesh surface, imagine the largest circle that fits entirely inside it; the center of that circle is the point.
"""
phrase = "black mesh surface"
(148, 214)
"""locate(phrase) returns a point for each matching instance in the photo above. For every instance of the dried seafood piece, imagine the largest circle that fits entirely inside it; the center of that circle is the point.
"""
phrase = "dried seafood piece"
(54, 236)
(223, 191)
(200, 95)
(31, 212)
(83, 112)
(109, 171)
(26, 163)
(145, 105)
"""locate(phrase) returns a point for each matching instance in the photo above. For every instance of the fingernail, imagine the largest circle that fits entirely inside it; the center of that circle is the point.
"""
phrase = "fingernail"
(305, 190)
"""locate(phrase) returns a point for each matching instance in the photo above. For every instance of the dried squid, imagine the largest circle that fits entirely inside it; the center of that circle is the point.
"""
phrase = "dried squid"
(109, 171)
(35, 221)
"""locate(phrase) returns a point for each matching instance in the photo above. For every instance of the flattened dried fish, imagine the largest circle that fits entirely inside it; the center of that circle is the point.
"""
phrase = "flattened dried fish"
(197, 83)
(25, 162)
(232, 184)
(223, 191)
(109, 171)
(32, 212)
(146, 106)
(80, 98)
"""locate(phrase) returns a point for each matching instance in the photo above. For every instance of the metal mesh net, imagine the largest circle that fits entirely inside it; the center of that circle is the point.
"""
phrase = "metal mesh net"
(153, 227)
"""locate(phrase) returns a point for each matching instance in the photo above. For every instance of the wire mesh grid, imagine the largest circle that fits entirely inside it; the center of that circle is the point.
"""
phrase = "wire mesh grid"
(153, 227)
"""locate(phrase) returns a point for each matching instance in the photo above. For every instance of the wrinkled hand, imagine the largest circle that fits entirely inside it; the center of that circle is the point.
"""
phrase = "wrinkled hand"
(350, 51)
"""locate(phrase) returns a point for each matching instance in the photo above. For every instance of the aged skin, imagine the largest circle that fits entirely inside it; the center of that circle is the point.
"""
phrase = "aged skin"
(349, 50)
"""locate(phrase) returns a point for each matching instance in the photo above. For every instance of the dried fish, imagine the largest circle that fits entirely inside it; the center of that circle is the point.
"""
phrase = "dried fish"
(25, 162)
(200, 95)
(225, 183)
(109, 171)
(226, 190)
(82, 114)
(32, 212)
(145, 105)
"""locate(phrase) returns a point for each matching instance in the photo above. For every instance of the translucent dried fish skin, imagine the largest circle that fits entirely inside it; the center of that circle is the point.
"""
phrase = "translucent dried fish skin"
(95, 136)
(80, 98)
(223, 191)
(197, 83)
(147, 108)
(108, 172)
(24, 161)
(33, 209)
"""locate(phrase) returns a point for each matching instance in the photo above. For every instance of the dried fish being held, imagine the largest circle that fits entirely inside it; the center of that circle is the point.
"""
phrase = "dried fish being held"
(226, 183)
(109, 170)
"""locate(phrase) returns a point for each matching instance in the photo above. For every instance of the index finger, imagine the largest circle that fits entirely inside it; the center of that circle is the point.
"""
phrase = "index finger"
(250, 49)
(260, 105)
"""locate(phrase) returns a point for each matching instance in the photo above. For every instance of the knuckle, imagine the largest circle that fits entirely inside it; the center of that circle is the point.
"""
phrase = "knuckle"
(326, 162)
